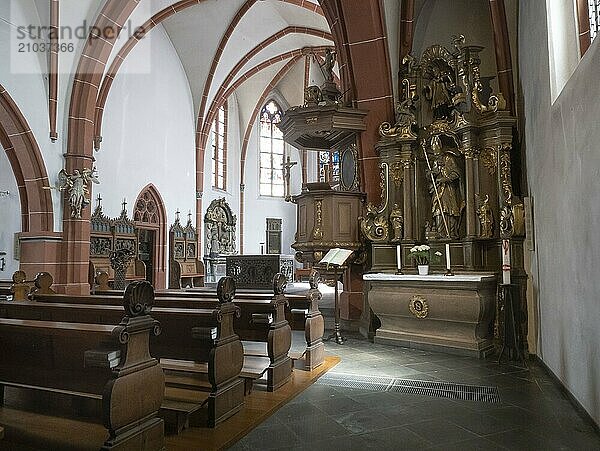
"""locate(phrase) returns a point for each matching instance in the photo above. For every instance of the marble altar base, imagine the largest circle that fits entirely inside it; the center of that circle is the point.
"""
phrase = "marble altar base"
(448, 314)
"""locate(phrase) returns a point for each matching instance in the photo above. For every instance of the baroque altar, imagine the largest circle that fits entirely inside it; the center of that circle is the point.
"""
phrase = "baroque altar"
(447, 180)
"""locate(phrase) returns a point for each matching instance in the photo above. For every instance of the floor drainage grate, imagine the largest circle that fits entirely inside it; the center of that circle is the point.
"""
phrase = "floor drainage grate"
(375, 383)
(410, 386)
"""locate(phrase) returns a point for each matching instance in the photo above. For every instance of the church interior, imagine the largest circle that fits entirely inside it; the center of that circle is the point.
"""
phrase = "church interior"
(299, 224)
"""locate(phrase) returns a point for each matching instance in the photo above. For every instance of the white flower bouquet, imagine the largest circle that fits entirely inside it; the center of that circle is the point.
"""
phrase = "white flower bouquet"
(423, 256)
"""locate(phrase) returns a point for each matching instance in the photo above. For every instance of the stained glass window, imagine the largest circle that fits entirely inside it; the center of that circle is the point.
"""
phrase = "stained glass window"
(329, 163)
(271, 151)
(219, 139)
(594, 12)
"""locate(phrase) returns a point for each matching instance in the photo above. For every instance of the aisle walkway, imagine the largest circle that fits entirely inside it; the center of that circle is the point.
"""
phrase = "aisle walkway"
(532, 413)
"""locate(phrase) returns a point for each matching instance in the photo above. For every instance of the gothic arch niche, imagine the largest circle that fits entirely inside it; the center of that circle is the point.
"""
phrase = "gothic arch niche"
(150, 219)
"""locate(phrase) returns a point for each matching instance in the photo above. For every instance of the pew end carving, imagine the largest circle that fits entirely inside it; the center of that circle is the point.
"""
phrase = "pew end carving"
(314, 326)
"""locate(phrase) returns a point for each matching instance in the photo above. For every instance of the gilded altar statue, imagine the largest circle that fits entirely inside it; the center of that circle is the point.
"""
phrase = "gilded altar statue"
(397, 221)
(440, 92)
(447, 201)
(485, 215)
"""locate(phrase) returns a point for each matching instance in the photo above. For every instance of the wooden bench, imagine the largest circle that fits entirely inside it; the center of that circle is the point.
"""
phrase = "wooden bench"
(301, 311)
(201, 335)
(188, 273)
(304, 306)
(107, 363)
(276, 332)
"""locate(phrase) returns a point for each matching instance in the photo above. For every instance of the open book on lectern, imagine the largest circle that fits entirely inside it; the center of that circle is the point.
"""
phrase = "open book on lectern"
(336, 257)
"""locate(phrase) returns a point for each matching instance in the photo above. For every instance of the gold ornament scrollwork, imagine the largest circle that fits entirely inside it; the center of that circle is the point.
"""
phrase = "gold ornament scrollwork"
(317, 233)
(405, 115)
(495, 102)
(512, 213)
(418, 306)
(489, 159)
(374, 225)
(397, 173)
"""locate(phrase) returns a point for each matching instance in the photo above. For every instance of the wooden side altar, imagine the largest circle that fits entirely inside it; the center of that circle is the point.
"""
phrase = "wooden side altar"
(434, 312)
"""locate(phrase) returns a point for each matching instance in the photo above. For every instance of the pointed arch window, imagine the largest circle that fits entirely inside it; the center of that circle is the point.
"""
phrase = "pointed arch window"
(271, 151)
(594, 16)
(588, 21)
(218, 133)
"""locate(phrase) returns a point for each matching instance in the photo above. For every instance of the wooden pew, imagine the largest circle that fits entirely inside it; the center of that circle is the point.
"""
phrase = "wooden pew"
(21, 287)
(305, 306)
(204, 336)
(251, 326)
(187, 273)
(94, 361)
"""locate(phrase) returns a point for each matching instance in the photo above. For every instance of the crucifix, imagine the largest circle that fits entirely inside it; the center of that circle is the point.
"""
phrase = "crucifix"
(99, 200)
(287, 172)
(124, 204)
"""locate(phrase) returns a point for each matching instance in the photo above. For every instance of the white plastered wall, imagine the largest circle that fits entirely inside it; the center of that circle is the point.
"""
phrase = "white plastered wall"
(10, 216)
(149, 133)
(563, 157)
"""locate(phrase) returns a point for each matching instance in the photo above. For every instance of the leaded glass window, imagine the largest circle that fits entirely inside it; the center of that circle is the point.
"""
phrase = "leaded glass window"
(271, 151)
(329, 163)
(218, 132)
(594, 12)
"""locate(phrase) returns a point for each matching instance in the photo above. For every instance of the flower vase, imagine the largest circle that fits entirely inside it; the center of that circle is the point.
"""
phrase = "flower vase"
(423, 270)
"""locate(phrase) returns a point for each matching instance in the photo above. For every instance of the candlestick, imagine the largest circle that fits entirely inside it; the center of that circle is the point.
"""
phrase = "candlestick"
(506, 262)
(448, 267)
(399, 259)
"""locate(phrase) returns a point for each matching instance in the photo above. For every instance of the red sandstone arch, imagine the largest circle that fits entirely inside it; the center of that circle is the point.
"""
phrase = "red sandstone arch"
(28, 167)
(149, 213)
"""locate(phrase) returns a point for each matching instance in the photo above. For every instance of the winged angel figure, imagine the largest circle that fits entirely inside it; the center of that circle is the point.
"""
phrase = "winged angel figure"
(77, 184)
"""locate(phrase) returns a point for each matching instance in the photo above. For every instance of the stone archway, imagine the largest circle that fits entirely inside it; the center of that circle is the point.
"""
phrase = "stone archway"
(40, 245)
(150, 219)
